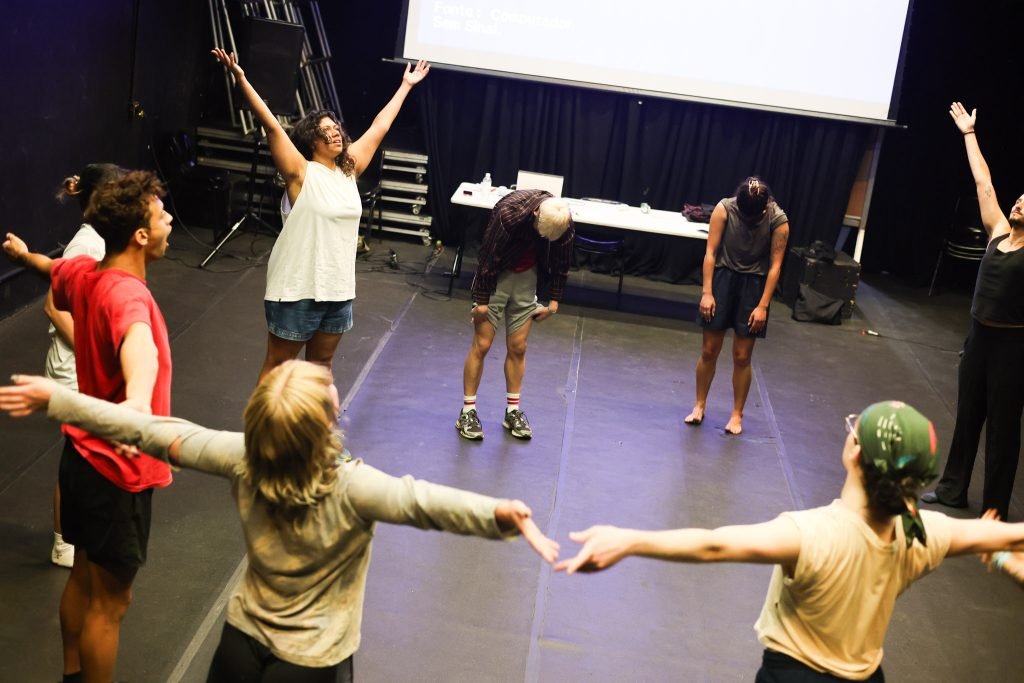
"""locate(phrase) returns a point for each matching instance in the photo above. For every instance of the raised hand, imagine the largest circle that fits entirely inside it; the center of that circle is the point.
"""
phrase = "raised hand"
(413, 76)
(26, 395)
(603, 546)
(15, 247)
(515, 513)
(228, 60)
(964, 121)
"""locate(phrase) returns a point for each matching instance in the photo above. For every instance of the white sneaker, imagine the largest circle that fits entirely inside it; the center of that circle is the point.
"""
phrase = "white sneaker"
(63, 554)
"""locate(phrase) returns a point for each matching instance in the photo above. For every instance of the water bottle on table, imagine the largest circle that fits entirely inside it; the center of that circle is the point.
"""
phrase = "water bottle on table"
(485, 184)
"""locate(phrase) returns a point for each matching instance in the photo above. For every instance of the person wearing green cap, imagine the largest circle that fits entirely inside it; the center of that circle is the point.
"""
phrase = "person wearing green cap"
(839, 568)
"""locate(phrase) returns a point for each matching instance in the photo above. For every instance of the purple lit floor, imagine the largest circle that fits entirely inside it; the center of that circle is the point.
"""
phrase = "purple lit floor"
(606, 390)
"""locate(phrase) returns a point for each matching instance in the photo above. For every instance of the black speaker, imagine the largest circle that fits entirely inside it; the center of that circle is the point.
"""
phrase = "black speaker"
(270, 55)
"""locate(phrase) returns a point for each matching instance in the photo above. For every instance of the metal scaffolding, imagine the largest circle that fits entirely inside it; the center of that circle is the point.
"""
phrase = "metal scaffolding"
(316, 88)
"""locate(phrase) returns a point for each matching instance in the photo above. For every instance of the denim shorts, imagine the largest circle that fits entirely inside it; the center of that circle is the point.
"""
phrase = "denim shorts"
(300, 320)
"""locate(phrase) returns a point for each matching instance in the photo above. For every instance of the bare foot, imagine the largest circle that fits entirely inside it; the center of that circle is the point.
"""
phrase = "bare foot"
(695, 417)
(734, 425)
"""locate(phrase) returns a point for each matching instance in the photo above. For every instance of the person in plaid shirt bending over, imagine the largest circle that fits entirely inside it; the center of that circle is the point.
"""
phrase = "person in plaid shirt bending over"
(527, 246)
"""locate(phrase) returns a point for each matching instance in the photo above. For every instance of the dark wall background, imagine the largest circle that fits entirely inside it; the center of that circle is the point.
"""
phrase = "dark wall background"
(68, 74)
(68, 80)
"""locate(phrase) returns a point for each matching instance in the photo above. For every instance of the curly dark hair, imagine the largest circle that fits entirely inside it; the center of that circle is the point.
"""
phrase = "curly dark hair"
(120, 207)
(886, 495)
(83, 183)
(752, 196)
(308, 129)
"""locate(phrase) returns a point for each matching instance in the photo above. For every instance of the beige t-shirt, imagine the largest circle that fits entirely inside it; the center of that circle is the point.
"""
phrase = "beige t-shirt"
(832, 614)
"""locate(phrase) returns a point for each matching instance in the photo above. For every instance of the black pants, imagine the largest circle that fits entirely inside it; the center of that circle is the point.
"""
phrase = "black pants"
(241, 659)
(990, 393)
(779, 668)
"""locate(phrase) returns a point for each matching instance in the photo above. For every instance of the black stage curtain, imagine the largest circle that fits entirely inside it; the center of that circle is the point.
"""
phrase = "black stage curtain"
(616, 146)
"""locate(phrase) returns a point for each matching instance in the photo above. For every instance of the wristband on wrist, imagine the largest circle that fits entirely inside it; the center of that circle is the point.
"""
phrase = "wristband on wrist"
(970, 132)
(999, 559)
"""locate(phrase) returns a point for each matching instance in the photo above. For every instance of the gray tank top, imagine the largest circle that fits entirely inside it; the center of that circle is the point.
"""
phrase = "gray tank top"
(746, 246)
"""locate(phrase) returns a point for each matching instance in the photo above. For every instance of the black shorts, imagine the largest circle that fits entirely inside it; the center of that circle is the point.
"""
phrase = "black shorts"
(736, 297)
(779, 668)
(110, 524)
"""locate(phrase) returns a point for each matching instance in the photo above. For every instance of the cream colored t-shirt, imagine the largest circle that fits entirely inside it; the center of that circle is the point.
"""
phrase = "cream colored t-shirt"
(315, 255)
(833, 613)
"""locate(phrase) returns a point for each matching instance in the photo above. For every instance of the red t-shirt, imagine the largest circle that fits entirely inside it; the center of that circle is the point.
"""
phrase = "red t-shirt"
(104, 304)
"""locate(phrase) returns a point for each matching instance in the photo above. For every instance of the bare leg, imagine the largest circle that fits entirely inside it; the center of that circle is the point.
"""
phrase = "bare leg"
(710, 349)
(473, 370)
(320, 349)
(742, 350)
(110, 597)
(73, 604)
(278, 351)
(515, 358)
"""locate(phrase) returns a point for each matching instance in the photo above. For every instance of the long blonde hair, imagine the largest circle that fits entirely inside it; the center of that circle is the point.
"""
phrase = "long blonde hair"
(292, 443)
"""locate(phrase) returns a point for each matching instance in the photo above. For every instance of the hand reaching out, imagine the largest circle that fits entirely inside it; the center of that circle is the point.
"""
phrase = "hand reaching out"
(603, 546)
(986, 558)
(229, 62)
(515, 513)
(413, 76)
(27, 394)
(15, 247)
(964, 121)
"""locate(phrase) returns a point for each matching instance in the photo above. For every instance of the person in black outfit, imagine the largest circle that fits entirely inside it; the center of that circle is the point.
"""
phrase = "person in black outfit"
(992, 367)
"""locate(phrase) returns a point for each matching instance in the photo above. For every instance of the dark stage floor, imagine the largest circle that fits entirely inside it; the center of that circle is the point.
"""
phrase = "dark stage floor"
(606, 391)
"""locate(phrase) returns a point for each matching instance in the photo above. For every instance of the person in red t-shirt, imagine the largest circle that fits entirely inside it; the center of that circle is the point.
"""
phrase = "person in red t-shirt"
(123, 356)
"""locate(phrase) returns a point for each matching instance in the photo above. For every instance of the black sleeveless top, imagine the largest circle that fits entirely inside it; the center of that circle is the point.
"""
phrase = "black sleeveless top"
(999, 291)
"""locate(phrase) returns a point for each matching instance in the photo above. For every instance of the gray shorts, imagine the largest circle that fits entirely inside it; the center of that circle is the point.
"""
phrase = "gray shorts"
(514, 299)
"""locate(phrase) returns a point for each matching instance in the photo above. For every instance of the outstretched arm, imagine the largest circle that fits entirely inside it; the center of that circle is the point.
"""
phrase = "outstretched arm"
(363, 149)
(167, 438)
(17, 251)
(991, 216)
(774, 542)
(379, 497)
(985, 535)
(289, 162)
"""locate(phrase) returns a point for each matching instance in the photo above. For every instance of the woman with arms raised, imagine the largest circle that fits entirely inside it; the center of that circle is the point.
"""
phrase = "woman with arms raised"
(311, 276)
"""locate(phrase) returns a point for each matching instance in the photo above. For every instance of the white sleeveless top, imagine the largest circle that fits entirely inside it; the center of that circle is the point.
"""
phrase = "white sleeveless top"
(315, 255)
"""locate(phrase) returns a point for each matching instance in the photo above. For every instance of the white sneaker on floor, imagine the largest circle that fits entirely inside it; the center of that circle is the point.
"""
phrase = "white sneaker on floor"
(63, 554)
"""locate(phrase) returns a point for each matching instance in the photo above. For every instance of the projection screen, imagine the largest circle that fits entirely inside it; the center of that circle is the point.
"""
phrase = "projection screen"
(831, 58)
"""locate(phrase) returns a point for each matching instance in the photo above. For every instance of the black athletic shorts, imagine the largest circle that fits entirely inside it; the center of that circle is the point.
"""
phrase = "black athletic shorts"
(110, 524)
(736, 297)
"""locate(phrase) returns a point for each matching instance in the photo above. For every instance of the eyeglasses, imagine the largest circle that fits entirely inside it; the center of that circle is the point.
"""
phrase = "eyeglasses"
(851, 423)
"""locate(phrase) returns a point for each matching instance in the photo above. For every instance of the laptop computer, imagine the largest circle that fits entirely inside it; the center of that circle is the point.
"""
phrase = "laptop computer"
(528, 180)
